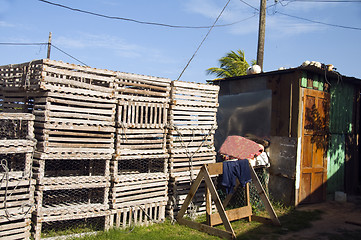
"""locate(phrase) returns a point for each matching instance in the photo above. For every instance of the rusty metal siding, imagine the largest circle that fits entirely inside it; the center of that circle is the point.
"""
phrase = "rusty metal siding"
(341, 107)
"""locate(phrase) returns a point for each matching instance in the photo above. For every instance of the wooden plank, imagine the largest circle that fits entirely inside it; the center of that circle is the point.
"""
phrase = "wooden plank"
(86, 92)
(49, 80)
(264, 198)
(204, 228)
(191, 194)
(57, 125)
(233, 214)
(200, 86)
(61, 64)
(217, 201)
(122, 76)
(17, 116)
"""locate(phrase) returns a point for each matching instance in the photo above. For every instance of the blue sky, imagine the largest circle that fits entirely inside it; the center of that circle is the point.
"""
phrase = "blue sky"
(163, 52)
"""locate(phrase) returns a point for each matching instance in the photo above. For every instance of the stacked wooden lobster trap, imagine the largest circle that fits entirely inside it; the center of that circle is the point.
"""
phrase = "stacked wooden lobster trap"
(190, 139)
(74, 110)
(139, 168)
(112, 149)
(16, 186)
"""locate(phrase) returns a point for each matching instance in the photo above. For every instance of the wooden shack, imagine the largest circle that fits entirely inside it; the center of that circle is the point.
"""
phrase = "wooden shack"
(311, 117)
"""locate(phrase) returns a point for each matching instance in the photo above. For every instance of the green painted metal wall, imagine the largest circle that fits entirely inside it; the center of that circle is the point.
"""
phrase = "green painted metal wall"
(341, 107)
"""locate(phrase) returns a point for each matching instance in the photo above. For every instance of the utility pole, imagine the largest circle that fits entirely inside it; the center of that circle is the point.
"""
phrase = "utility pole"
(49, 46)
(261, 33)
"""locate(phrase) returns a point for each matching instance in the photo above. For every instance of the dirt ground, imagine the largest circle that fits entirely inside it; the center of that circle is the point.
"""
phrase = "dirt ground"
(340, 220)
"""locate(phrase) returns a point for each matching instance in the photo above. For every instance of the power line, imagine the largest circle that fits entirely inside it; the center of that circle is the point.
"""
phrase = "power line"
(133, 20)
(69, 55)
(37, 44)
(325, 1)
(22, 44)
(313, 21)
(250, 5)
(209, 31)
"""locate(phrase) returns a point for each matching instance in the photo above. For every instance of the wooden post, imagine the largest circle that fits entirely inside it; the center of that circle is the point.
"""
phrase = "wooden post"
(261, 34)
(248, 199)
(49, 46)
(208, 207)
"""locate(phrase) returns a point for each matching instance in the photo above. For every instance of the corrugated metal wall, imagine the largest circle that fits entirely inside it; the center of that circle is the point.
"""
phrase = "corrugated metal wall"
(340, 124)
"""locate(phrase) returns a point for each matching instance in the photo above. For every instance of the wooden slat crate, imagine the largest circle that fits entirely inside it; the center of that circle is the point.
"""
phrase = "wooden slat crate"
(75, 154)
(192, 117)
(17, 101)
(177, 193)
(66, 112)
(53, 75)
(132, 114)
(54, 203)
(194, 94)
(16, 165)
(14, 230)
(17, 199)
(140, 141)
(190, 141)
(16, 126)
(182, 165)
(90, 221)
(20, 76)
(17, 146)
(64, 106)
(136, 87)
(140, 164)
(68, 171)
(138, 215)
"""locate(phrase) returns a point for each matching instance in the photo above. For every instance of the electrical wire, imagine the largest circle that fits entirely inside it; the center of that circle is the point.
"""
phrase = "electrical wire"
(36, 44)
(134, 20)
(69, 55)
(22, 44)
(250, 5)
(313, 21)
(325, 1)
(199, 46)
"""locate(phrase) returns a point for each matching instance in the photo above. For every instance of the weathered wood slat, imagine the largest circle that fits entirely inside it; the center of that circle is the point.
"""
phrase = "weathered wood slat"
(196, 86)
(49, 80)
(77, 96)
(59, 99)
(124, 77)
(57, 125)
(61, 64)
(86, 92)
(75, 154)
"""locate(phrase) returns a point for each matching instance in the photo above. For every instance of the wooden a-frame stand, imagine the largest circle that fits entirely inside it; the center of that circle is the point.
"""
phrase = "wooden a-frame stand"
(223, 216)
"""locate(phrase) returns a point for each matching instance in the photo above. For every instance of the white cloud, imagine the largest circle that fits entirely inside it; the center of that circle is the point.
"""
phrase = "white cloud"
(211, 9)
(117, 46)
(5, 24)
(106, 42)
(277, 24)
(282, 26)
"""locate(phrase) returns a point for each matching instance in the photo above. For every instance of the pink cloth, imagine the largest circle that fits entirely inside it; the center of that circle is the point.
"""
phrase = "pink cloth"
(240, 148)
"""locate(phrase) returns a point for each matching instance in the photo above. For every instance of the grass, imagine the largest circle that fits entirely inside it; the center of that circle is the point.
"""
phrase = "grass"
(161, 231)
(292, 220)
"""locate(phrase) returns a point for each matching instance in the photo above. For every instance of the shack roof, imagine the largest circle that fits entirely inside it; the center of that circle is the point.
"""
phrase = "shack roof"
(309, 68)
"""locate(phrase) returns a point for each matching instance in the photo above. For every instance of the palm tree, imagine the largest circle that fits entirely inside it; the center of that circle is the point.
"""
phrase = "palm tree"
(232, 65)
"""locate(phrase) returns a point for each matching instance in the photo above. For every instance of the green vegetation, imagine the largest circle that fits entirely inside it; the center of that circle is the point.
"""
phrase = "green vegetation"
(292, 220)
(232, 65)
